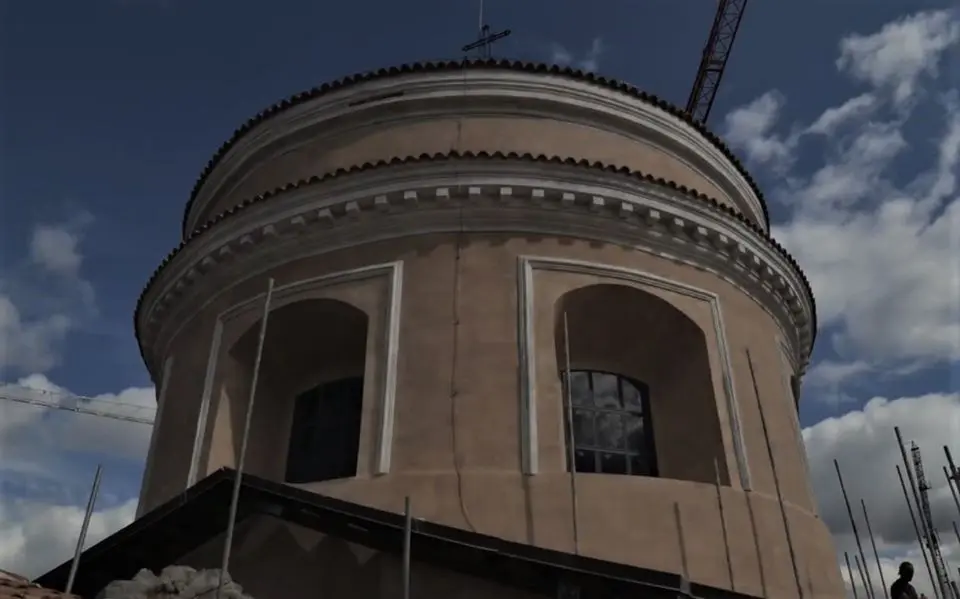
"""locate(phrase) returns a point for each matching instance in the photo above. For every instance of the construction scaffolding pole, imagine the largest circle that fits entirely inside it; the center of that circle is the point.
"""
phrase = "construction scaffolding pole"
(916, 529)
(926, 516)
(868, 583)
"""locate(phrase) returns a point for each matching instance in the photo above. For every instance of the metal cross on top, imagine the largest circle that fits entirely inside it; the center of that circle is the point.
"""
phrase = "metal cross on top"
(486, 39)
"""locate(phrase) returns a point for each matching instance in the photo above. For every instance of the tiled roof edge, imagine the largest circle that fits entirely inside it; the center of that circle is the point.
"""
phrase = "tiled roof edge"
(454, 155)
(419, 67)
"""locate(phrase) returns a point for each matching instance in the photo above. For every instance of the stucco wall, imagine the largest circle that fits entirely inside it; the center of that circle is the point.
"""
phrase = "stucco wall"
(456, 444)
(326, 152)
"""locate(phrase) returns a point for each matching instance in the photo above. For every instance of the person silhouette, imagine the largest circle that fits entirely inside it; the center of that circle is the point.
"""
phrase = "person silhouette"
(901, 587)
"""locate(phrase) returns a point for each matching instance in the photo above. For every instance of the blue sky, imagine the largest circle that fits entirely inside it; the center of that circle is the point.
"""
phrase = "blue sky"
(110, 109)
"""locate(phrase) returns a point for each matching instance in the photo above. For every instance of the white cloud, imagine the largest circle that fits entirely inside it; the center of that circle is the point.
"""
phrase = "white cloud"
(27, 345)
(749, 128)
(876, 227)
(902, 51)
(590, 61)
(56, 249)
(36, 537)
(42, 493)
(834, 118)
(878, 239)
(865, 446)
(37, 314)
(27, 427)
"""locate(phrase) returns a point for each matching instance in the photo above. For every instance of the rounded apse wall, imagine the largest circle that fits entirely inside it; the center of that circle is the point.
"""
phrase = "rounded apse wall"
(429, 285)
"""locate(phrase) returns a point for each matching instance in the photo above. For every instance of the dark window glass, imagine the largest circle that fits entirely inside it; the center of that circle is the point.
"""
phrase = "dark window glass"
(611, 426)
(325, 435)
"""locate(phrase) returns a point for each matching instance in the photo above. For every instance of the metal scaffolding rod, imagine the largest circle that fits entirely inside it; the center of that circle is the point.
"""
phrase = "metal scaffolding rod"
(407, 537)
(863, 577)
(776, 476)
(916, 529)
(867, 588)
(953, 476)
(248, 419)
(953, 491)
(876, 554)
(926, 516)
(853, 582)
(91, 502)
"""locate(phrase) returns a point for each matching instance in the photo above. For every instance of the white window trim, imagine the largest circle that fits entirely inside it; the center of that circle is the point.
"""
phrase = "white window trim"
(157, 423)
(387, 394)
(528, 385)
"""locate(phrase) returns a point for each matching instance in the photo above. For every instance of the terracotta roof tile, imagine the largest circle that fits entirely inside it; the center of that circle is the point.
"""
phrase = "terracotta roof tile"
(13, 586)
(614, 170)
(448, 65)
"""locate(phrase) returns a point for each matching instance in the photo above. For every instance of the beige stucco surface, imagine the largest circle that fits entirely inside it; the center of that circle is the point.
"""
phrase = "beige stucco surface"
(400, 138)
(457, 440)
(459, 457)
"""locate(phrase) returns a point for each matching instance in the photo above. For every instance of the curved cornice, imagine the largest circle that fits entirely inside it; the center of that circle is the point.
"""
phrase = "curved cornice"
(640, 210)
(696, 131)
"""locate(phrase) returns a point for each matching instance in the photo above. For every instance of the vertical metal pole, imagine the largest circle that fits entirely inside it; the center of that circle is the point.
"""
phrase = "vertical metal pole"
(954, 475)
(853, 581)
(868, 590)
(756, 542)
(956, 532)
(916, 529)
(913, 484)
(248, 418)
(863, 578)
(91, 502)
(571, 443)
(873, 543)
(723, 522)
(953, 491)
(776, 477)
(407, 534)
(685, 570)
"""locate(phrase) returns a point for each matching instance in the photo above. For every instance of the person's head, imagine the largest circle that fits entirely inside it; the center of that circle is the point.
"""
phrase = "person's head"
(906, 571)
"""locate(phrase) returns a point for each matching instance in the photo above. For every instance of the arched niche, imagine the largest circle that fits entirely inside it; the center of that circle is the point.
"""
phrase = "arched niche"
(634, 355)
(309, 403)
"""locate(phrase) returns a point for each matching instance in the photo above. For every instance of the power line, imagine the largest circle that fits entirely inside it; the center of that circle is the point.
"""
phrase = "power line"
(92, 406)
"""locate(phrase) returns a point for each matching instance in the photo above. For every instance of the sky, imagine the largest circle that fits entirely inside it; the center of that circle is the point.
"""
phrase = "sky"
(847, 112)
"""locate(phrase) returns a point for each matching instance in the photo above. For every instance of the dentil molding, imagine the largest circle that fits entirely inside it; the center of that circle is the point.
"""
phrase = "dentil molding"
(491, 196)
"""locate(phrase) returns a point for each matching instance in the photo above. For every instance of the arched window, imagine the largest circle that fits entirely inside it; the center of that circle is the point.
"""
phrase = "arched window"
(325, 436)
(612, 432)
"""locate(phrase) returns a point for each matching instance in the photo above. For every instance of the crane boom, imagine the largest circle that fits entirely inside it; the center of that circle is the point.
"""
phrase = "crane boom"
(74, 403)
(926, 518)
(726, 23)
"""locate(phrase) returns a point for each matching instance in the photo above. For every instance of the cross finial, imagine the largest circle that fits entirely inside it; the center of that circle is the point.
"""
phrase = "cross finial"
(485, 39)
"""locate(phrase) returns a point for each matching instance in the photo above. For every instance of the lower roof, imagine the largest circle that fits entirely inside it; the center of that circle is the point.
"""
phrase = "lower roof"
(161, 537)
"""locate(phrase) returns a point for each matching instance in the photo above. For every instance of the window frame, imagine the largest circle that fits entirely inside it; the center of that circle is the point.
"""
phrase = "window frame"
(647, 452)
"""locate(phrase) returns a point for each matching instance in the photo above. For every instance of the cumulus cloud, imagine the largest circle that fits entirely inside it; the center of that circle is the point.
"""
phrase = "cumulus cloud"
(47, 454)
(42, 305)
(876, 227)
(878, 238)
(864, 444)
(30, 344)
(589, 61)
(38, 415)
(50, 442)
(896, 56)
(35, 537)
(56, 249)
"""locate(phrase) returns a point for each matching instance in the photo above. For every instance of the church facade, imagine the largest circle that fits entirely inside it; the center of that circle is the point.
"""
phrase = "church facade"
(543, 305)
